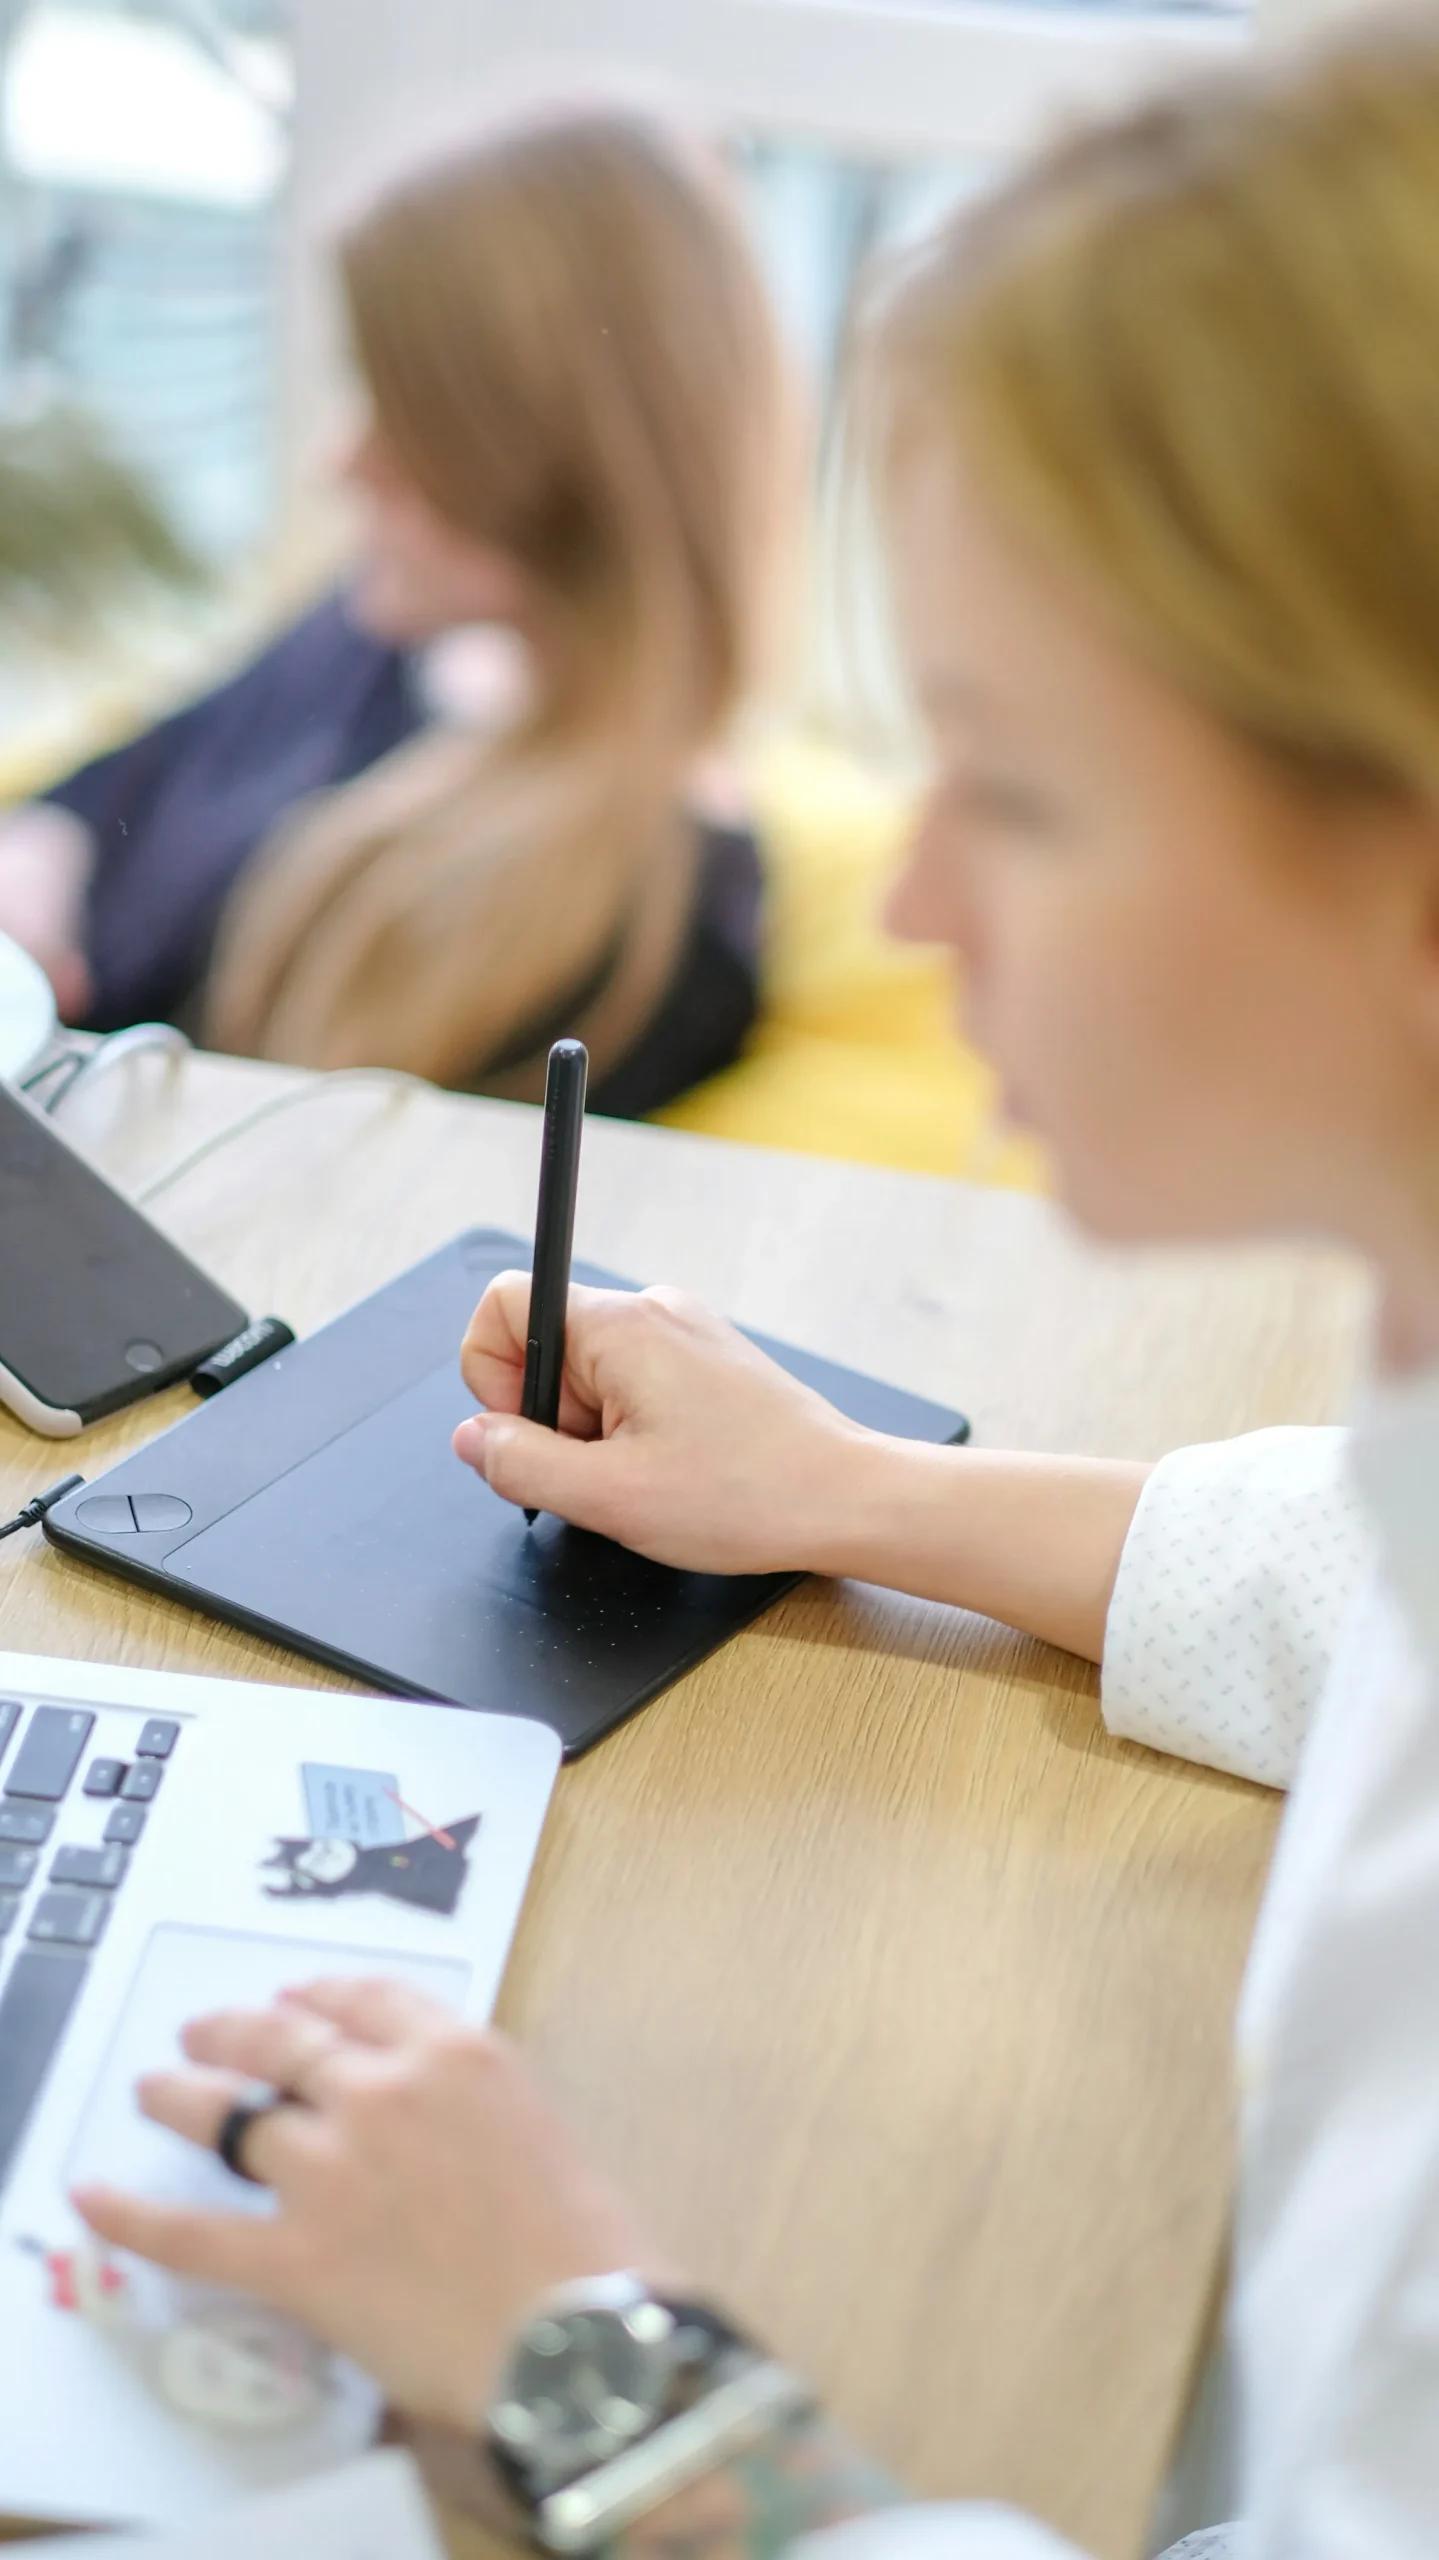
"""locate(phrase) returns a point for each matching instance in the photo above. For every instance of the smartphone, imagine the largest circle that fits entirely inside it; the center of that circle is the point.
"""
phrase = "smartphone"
(97, 1308)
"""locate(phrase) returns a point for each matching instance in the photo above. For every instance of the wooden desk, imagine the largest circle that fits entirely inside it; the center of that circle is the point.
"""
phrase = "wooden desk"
(896, 1990)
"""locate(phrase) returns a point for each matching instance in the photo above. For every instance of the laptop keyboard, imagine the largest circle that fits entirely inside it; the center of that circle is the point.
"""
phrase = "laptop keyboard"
(71, 1822)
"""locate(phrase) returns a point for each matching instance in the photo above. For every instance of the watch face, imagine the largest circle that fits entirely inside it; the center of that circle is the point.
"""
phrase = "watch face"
(583, 2384)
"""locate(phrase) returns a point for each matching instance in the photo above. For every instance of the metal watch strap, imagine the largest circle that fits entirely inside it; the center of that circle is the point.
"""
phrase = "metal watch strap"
(735, 2414)
(722, 2342)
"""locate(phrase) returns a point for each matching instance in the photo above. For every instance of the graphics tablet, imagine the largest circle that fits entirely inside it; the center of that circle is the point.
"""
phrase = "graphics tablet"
(318, 1504)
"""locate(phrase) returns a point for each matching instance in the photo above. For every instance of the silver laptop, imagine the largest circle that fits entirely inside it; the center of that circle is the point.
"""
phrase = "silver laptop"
(168, 1846)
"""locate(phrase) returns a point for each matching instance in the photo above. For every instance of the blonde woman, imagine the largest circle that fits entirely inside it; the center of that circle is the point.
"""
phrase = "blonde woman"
(1159, 432)
(391, 842)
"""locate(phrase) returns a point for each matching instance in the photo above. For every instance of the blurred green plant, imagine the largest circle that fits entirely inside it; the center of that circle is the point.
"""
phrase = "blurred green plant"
(81, 537)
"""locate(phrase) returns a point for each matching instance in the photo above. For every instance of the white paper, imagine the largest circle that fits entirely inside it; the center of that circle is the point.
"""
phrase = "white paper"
(373, 2509)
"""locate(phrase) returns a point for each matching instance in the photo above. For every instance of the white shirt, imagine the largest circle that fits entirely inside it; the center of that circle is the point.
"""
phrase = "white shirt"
(1277, 1614)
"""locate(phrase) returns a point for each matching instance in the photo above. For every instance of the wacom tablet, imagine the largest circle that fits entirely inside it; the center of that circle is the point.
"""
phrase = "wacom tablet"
(317, 1503)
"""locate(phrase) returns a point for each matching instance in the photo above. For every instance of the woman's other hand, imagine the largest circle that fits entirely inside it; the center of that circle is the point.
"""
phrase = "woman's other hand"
(427, 2196)
(677, 1437)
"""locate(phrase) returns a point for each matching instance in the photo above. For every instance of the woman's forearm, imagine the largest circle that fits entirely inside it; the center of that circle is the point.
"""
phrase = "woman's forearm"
(1032, 1541)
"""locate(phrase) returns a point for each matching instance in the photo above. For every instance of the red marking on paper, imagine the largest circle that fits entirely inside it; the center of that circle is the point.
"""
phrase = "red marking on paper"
(444, 1838)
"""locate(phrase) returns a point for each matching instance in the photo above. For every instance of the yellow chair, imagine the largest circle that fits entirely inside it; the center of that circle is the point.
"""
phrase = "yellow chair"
(107, 714)
(856, 1053)
(23, 773)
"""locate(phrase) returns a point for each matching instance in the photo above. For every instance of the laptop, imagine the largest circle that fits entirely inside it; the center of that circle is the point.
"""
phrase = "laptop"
(170, 1845)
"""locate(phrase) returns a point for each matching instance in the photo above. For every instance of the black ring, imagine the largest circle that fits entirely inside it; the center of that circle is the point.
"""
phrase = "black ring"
(234, 2129)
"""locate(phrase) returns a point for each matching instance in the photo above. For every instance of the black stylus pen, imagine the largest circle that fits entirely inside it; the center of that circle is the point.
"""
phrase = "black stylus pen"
(565, 1082)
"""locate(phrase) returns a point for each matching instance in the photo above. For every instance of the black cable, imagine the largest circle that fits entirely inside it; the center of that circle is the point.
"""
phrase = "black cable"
(34, 1511)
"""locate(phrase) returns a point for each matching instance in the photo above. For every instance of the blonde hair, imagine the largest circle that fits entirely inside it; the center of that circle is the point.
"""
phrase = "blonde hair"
(1191, 355)
(570, 354)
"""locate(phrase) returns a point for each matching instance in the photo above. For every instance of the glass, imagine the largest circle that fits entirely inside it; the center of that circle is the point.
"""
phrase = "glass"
(820, 217)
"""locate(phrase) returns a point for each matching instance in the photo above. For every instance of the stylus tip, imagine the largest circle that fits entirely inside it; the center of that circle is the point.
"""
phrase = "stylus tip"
(530, 1518)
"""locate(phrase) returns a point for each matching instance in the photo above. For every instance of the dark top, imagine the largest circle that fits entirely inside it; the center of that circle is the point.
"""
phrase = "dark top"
(179, 812)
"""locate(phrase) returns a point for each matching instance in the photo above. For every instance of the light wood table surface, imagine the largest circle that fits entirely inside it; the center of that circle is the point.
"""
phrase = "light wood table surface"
(896, 1991)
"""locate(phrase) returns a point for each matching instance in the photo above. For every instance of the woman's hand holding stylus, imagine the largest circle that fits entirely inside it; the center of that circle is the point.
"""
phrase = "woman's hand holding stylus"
(680, 1439)
(675, 1435)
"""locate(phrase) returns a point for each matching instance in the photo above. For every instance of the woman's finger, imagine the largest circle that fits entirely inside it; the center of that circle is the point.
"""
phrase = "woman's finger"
(196, 2103)
(231, 2249)
(281, 2045)
(492, 1355)
(582, 1480)
(192, 2103)
(371, 2012)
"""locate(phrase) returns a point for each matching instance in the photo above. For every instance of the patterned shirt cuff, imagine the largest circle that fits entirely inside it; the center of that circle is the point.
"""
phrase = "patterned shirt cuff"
(1243, 1560)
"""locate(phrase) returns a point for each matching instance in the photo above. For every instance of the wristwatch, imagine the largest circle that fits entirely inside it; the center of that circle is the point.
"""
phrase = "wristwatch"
(615, 2398)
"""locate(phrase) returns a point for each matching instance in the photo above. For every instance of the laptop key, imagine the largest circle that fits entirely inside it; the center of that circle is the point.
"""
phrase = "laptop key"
(49, 1753)
(157, 1739)
(123, 1826)
(63, 1919)
(30, 1825)
(102, 1868)
(9, 1718)
(34, 2006)
(104, 1777)
(9, 1905)
(17, 1866)
(143, 1781)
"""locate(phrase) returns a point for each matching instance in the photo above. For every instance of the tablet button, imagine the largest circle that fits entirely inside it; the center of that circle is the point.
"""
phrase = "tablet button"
(160, 1511)
(144, 1357)
(107, 1513)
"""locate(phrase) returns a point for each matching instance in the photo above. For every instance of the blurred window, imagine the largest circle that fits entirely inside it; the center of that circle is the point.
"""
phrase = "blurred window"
(143, 150)
(821, 216)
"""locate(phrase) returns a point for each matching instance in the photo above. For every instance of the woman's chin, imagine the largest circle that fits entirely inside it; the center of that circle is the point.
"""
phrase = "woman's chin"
(1098, 1200)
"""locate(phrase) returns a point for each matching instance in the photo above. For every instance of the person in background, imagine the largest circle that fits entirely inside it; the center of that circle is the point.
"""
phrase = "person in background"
(466, 805)
(1157, 436)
